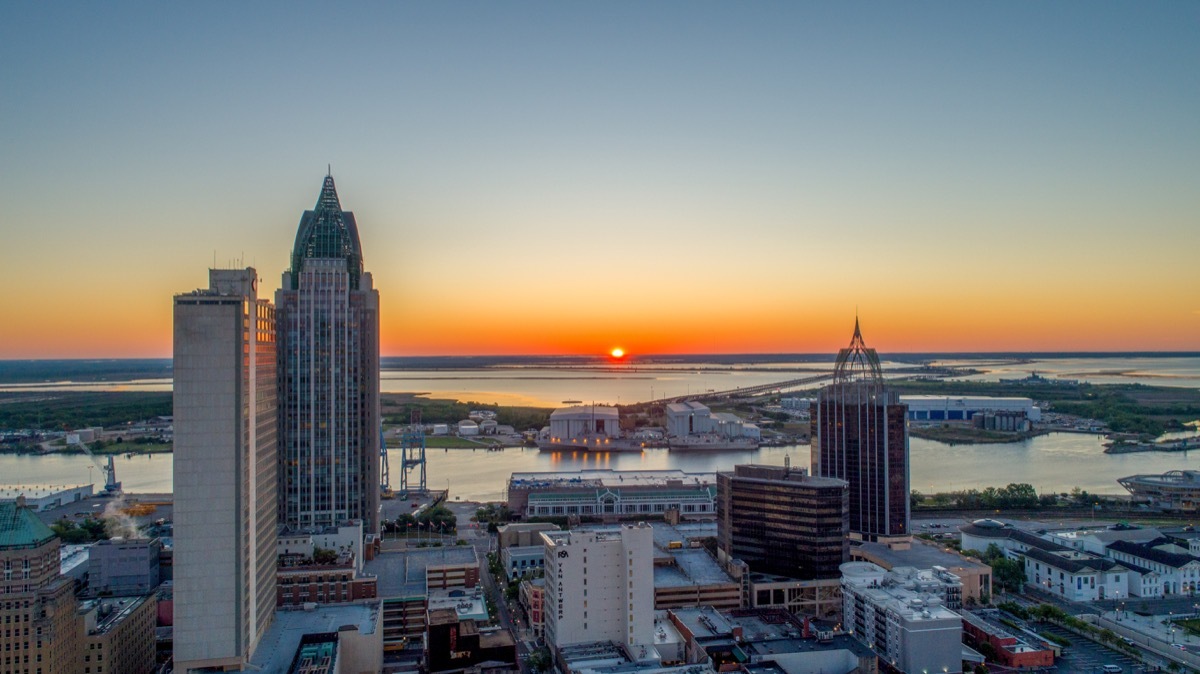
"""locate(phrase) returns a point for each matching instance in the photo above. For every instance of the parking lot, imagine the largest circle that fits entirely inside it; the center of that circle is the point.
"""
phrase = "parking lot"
(1087, 657)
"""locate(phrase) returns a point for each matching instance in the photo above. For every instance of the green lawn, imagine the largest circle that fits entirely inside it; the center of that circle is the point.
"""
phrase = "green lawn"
(1192, 625)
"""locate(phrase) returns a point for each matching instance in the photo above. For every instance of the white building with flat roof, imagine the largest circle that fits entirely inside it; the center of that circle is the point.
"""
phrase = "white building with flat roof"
(600, 587)
(46, 496)
(912, 631)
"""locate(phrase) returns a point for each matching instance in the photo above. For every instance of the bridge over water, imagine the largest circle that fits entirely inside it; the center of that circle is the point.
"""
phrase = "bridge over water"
(744, 390)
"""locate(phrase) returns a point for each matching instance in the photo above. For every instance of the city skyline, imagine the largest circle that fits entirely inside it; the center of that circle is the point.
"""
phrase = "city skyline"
(717, 179)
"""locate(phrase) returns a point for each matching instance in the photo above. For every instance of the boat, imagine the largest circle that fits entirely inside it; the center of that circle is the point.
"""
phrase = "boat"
(712, 443)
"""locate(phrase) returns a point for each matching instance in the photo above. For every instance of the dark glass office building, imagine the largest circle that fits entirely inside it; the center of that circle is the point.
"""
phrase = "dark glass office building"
(783, 521)
(328, 321)
(860, 435)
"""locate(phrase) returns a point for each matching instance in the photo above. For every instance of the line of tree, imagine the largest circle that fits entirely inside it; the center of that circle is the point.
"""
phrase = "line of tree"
(1015, 495)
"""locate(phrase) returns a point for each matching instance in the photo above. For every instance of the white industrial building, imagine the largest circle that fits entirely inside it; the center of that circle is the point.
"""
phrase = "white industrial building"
(963, 408)
(584, 421)
(693, 419)
(911, 630)
(468, 427)
(46, 496)
(600, 587)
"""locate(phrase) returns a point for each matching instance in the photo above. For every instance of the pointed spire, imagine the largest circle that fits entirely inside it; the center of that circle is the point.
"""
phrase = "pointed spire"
(328, 232)
(857, 362)
(328, 200)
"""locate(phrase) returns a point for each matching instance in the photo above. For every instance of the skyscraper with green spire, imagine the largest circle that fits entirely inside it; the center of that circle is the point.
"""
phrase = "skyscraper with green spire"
(328, 321)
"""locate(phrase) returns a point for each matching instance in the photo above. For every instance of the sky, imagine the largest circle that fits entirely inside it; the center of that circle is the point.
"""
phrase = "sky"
(565, 178)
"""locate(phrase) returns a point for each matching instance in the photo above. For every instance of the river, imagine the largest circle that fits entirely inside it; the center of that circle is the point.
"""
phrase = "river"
(1054, 462)
(544, 386)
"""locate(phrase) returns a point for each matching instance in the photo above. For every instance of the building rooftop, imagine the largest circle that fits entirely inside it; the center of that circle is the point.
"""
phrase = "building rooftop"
(71, 556)
(464, 604)
(921, 555)
(402, 573)
(584, 411)
(35, 491)
(1071, 561)
(985, 622)
(999, 530)
(282, 640)
(693, 566)
(686, 408)
(20, 527)
(1170, 559)
(112, 611)
(607, 478)
(764, 632)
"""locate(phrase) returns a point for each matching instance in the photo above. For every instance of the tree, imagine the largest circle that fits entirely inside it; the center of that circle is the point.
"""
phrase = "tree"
(1008, 575)
(324, 556)
(539, 660)
(992, 553)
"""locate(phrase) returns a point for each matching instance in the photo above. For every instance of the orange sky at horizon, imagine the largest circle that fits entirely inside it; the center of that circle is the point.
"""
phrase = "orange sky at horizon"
(140, 327)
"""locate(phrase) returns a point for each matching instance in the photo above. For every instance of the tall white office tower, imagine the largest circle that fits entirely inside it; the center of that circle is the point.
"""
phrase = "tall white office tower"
(226, 472)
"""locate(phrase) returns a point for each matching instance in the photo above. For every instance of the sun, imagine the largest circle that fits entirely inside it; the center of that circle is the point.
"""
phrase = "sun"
(617, 352)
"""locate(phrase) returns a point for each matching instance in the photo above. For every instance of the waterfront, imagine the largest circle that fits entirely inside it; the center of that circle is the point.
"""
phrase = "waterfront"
(548, 386)
(1054, 462)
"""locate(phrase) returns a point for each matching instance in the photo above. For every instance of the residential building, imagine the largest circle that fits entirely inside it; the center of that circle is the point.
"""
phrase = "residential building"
(404, 579)
(337, 583)
(518, 561)
(911, 631)
(600, 586)
(225, 470)
(124, 566)
(975, 577)
(118, 635)
(783, 521)
(35, 597)
(1012, 650)
(328, 315)
(455, 644)
(860, 435)
(532, 596)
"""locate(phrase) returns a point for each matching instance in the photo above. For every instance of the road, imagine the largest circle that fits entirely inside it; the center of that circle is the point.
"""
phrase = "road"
(483, 542)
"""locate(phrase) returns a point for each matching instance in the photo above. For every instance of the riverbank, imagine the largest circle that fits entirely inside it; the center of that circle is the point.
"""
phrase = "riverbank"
(962, 434)
(1137, 447)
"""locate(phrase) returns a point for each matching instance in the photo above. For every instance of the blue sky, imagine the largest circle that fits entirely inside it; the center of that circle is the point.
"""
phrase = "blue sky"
(515, 157)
